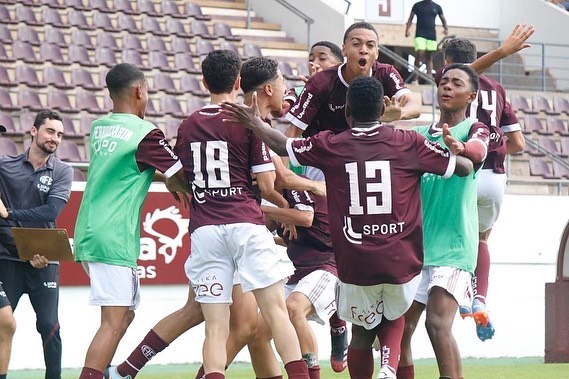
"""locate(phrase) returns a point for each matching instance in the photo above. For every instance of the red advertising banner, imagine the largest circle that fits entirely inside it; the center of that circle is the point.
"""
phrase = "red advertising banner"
(164, 239)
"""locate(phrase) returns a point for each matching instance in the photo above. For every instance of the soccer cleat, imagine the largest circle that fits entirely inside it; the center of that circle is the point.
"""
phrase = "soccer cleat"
(339, 355)
(112, 373)
(479, 313)
(465, 311)
(485, 332)
(387, 372)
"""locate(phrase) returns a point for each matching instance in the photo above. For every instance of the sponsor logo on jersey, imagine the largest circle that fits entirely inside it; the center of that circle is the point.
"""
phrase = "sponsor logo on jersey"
(167, 147)
(305, 104)
(303, 148)
(396, 81)
(334, 108)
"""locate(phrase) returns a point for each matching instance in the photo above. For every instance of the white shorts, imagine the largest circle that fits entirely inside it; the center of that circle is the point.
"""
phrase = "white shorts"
(491, 190)
(365, 305)
(455, 281)
(319, 287)
(113, 286)
(220, 250)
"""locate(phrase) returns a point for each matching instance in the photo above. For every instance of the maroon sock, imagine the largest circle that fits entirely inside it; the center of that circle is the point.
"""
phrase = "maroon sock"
(297, 369)
(480, 280)
(314, 372)
(151, 345)
(215, 375)
(336, 322)
(90, 373)
(389, 333)
(406, 372)
(360, 363)
(201, 373)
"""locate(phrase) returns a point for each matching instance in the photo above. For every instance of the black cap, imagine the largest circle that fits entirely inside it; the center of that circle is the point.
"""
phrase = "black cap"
(2, 128)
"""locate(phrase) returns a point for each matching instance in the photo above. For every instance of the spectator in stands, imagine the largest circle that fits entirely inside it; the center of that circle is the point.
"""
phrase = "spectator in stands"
(492, 109)
(125, 152)
(425, 33)
(34, 188)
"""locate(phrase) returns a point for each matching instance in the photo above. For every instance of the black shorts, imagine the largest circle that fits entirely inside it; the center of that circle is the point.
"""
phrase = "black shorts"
(3, 298)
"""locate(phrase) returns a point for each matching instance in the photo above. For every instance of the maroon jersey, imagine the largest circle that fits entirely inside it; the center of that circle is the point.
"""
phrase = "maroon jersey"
(493, 110)
(312, 250)
(373, 178)
(218, 158)
(321, 104)
(155, 151)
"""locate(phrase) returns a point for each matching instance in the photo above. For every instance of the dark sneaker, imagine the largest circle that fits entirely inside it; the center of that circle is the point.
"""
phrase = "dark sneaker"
(339, 356)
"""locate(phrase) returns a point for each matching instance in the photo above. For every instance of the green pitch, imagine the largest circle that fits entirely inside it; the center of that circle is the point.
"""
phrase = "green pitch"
(501, 368)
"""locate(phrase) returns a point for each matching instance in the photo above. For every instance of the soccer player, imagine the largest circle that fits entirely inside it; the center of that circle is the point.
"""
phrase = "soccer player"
(492, 109)
(228, 230)
(373, 175)
(125, 151)
(310, 291)
(34, 188)
(450, 227)
(425, 33)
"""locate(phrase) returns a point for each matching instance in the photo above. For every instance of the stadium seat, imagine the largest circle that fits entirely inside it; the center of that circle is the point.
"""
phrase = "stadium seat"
(77, 18)
(81, 38)
(195, 103)
(6, 102)
(147, 7)
(126, 22)
(83, 78)
(55, 36)
(540, 167)
(80, 54)
(105, 56)
(101, 6)
(199, 28)
(170, 8)
(521, 104)
(76, 4)
(175, 26)
(195, 11)
(26, 15)
(54, 77)
(5, 34)
(5, 17)
(28, 98)
(52, 53)
(222, 30)
(171, 128)
(8, 122)
(185, 62)
(159, 60)
(556, 125)
(560, 171)
(549, 144)
(533, 124)
(151, 109)
(165, 83)
(8, 146)
(229, 45)
(564, 144)
(87, 101)
(286, 70)
(251, 50)
(133, 57)
(131, 41)
(5, 79)
(151, 25)
(156, 43)
(171, 106)
(203, 47)
(126, 7)
(4, 54)
(561, 104)
(26, 121)
(103, 21)
(541, 104)
(180, 45)
(60, 101)
(85, 122)
(78, 175)
(190, 84)
(303, 68)
(107, 40)
(69, 151)
(53, 4)
(50, 16)
(28, 34)
(427, 97)
(68, 127)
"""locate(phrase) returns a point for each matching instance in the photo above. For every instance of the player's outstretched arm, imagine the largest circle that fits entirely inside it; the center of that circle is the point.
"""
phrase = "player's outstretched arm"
(515, 42)
(249, 118)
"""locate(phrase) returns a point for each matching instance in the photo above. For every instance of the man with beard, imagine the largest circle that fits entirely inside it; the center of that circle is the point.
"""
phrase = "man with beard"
(34, 188)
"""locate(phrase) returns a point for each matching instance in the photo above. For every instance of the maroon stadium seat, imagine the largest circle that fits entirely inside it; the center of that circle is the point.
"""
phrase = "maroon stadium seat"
(126, 7)
(11, 130)
(540, 167)
(556, 125)
(81, 38)
(165, 83)
(561, 104)
(68, 127)
(83, 78)
(228, 45)
(101, 6)
(78, 175)
(28, 34)
(61, 102)
(28, 76)
(105, 56)
(5, 79)
(107, 40)
(5, 34)
(303, 68)
(151, 25)
(203, 47)
(286, 70)
(133, 57)
(5, 17)
(170, 8)
(28, 98)
(171, 106)
(8, 146)
(147, 7)
(4, 54)
(6, 102)
(520, 103)
(156, 43)
(80, 54)
(86, 101)
(53, 4)
(175, 26)
(199, 28)
(55, 36)
(52, 53)
(54, 77)
(180, 45)
(77, 18)
(564, 144)
(76, 4)
(251, 50)
(103, 21)
(126, 22)
(560, 171)
(69, 151)
(190, 84)
(533, 124)
(26, 15)
(223, 30)
(171, 128)
(85, 122)
(26, 120)
(541, 104)
(549, 144)
(195, 11)
(159, 60)
(51, 16)
(185, 62)
(195, 103)
(151, 110)
(131, 41)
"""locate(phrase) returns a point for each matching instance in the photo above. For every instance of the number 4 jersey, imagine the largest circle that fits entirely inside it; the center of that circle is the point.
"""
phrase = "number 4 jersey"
(218, 158)
(373, 178)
